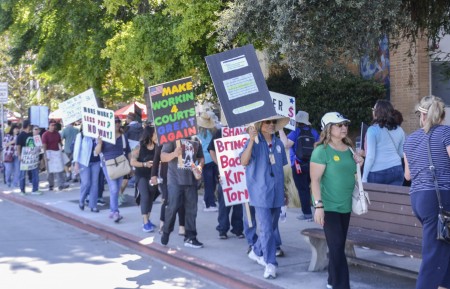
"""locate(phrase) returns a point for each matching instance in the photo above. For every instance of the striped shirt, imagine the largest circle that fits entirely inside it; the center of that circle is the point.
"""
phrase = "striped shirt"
(416, 150)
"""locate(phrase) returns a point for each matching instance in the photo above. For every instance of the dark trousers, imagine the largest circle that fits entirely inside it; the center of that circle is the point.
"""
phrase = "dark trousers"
(101, 183)
(224, 216)
(302, 182)
(435, 266)
(180, 212)
(178, 196)
(210, 174)
(336, 228)
(147, 194)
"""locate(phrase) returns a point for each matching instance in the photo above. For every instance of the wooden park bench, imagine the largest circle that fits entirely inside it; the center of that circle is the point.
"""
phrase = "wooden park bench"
(389, 226)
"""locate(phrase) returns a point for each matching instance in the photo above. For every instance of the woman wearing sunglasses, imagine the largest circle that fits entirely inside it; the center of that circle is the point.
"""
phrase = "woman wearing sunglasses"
(384, 150)
(332, 170)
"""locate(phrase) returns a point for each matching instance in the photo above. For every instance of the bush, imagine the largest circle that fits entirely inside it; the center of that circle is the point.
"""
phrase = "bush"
(352, 96)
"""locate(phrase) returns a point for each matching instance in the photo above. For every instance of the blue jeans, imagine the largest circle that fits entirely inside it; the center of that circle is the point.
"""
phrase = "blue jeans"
(89, 183)
(302, 182)
(435, 267)
(210, 175)
(224, 216)
(267, 220)
(390, 176)
(12, 172)
(114, 187)
(250, 232)
(34, 179)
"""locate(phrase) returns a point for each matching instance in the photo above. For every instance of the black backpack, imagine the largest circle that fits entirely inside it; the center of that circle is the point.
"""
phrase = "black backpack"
(304, 145)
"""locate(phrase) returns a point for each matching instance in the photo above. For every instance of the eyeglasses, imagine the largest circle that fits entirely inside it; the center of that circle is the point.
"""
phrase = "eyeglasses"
(35, 128)
(270, 122)
(340, 125)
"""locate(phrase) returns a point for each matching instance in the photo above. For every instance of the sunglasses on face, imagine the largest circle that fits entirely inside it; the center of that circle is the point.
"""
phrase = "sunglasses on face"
(339, 125)
(270, 122)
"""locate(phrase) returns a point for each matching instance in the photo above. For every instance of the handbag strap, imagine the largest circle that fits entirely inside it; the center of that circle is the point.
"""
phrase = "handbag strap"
(433, 173)
(124, 144)
(358, 174)
(393, 142)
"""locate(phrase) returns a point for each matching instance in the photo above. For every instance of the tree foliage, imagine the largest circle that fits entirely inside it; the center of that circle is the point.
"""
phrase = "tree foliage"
(315, 36)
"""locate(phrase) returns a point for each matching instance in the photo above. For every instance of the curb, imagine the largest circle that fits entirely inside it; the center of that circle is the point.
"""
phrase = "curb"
(228, 278)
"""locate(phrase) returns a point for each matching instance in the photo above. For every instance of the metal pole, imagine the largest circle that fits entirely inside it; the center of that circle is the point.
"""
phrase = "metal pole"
(3, 127)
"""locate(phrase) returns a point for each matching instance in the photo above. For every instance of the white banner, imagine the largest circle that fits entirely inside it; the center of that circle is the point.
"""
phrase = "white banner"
(232, 173)
(39, 116)
(3, 92)
(284, 106)
(71, 108)
(99, 122)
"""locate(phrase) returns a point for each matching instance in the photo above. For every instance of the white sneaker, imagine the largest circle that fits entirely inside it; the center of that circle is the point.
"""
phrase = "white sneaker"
(329, 286)
(256, 258)
(210, 209)
(270, 272)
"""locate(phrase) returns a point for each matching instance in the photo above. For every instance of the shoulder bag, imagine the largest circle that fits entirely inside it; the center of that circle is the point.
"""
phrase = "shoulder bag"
(360, 198)
(443, 224)
(119, 166)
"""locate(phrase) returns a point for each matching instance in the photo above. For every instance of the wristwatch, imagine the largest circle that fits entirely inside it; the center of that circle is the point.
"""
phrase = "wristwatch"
(318, 202)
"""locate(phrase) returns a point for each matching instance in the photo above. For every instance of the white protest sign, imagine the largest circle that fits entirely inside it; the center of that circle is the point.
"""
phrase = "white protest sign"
(232, 131)
(71, 108)
(3, 92)
(232, 173)
(39, 115)
(284, 106)
(99, 122)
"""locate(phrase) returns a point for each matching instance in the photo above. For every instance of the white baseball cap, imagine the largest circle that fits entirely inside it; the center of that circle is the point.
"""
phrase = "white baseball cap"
(332, 117)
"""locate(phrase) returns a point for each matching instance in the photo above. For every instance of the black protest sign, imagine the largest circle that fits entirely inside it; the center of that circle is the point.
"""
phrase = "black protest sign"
(240, 85)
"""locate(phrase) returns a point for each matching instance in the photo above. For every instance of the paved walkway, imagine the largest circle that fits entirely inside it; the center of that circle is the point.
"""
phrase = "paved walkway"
(226, 257)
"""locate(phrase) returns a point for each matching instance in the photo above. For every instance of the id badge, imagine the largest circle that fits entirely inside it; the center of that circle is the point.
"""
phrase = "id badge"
(272, 158)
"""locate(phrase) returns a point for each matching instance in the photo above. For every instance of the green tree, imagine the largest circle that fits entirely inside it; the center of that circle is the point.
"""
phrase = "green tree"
(314, 37)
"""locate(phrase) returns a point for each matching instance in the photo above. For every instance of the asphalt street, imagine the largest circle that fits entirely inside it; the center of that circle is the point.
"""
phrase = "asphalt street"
(38, 252)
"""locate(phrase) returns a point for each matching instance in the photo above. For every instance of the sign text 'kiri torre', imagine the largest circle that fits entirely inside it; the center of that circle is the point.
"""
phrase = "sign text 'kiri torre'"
(174, 110)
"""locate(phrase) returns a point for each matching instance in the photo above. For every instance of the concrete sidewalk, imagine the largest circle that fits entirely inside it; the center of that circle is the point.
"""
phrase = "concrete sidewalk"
(228, 256)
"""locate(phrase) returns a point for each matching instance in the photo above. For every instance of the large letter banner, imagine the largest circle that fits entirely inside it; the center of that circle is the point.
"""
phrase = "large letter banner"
(240, 85)
(173, 108)
(71, 108)
(232, 173)
(99, 122)
(284, 106)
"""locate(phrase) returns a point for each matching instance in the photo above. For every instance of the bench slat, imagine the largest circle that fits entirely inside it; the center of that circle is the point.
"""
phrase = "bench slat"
(387, 227)
(390, 208)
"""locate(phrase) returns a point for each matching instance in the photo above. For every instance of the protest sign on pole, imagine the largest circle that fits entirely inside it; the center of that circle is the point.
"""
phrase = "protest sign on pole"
(3, 92)
(39, 115)
(71, 108)
(284, 106)
(240, 86)
(99, 122)
(232, 131)
(232, 173)
(173, 107)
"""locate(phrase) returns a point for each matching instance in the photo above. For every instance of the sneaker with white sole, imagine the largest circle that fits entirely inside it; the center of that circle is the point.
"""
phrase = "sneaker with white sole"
(256, 258)
(270, 272)
(329, 286)
(193, 243)
(148, 228)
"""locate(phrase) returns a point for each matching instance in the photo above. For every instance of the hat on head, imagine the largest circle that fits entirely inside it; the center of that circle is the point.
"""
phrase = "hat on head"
(282, 121)
(302, 117)
(131, 115)
(332, 117)
(205, 120)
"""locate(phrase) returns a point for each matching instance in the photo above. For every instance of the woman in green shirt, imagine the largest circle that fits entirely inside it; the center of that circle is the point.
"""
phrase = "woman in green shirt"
(332, 173)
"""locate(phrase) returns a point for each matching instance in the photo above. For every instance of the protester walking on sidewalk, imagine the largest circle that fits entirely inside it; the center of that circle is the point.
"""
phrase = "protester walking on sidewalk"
(434, 137)
(28, 154)
(182, 188)
(10, 156)
(206, 130)
(108, 152)
(53, 155)
(264, 161)
(300, 143)
(86, 163)
(223, 219)
(385, 139)
(333, 172)
(160, 169)
(142, 158)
